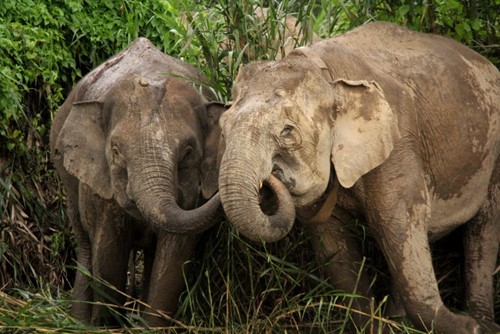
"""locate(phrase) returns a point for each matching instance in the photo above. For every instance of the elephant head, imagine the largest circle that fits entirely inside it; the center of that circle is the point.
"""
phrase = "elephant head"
(135, 132)
(289, 122)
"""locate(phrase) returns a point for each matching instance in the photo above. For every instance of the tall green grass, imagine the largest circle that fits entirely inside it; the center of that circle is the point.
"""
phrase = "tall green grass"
(232, 286)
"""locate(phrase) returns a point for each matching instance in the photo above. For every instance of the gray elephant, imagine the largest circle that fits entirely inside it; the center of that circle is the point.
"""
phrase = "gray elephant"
(399, 128)
(128, 144)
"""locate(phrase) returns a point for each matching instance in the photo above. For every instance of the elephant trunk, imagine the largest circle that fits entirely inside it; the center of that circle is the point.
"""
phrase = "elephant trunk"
(242, 182)
(155, 191)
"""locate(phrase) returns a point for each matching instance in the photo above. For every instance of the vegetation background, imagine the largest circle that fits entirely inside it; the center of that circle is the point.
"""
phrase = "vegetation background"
(46, 46)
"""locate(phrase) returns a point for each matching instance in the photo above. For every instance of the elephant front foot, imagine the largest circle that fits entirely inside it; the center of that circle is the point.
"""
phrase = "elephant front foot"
(449, 322)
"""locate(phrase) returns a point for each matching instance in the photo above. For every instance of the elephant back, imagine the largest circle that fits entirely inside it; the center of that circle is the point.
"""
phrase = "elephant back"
(140, 59)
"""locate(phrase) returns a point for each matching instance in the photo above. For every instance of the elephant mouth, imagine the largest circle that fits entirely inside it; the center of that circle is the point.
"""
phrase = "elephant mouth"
(268, 201)
(280, 175)
(127, 203)
(131, 208)
(289, 183)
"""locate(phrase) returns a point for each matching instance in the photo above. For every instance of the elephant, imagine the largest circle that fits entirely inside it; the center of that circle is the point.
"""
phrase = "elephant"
(128, 144)
(396, 128)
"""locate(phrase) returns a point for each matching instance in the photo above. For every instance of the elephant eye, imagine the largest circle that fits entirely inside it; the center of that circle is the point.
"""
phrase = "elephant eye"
(289, 137)
(287, 131)
(116, 156)
(187, 157)
(114, 152)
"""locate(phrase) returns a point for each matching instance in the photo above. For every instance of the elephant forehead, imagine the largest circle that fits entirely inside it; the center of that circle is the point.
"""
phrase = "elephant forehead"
(298, 86)
(264, 116)
(265, 75)
(296, 97)
(256, 111)
(246, 119)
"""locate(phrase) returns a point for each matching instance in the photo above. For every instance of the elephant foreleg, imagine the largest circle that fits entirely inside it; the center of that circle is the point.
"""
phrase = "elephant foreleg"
(111, 239)
(167, 276)
(403, 239)
(149, 256)
(111, 251)
(81, 307)
(338, 250)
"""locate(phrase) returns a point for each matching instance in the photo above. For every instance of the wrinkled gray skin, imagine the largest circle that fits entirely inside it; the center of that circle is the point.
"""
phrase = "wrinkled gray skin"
(128, 144)
(410, 123)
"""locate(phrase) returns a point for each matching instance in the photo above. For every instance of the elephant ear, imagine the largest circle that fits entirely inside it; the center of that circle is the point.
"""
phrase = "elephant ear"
(212, 154)
(365, 129)
(82, 143)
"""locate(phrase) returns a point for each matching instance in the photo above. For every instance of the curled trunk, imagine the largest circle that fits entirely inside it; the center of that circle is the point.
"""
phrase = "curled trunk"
(155, 192)
(241, 184)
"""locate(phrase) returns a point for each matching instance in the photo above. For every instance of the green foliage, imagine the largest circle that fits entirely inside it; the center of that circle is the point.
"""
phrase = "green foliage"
(232, 286)
(46, 46)
(231, 33)
(473, 22)
(254, 288)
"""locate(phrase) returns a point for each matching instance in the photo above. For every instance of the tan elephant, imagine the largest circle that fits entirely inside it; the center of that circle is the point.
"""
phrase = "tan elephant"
(406, 126)
(128, 144)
